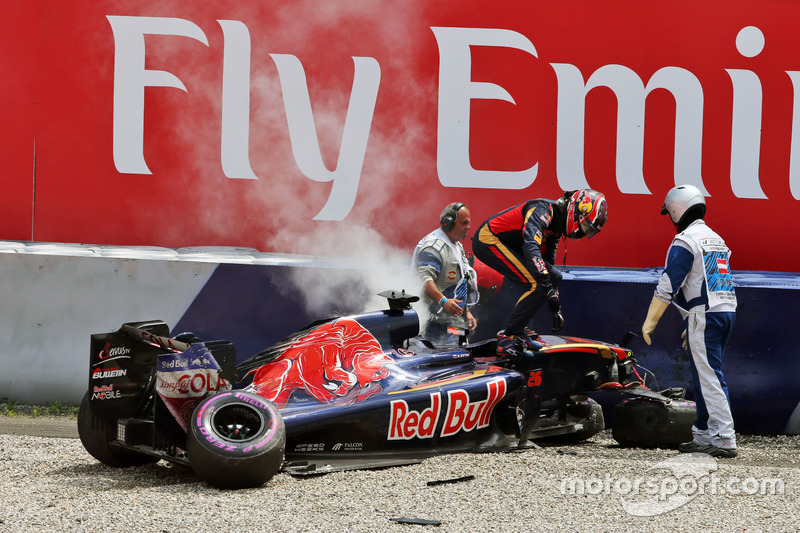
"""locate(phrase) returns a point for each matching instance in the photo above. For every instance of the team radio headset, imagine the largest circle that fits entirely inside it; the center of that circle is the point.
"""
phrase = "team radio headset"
(448, 222)
(449, 217)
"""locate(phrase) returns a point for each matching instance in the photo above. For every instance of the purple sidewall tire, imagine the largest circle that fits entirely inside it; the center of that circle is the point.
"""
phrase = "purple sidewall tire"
(236, 440)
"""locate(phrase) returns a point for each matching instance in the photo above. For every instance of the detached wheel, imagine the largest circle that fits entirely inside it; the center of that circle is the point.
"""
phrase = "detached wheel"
(236, 440)
(642, 423)
(96, 433)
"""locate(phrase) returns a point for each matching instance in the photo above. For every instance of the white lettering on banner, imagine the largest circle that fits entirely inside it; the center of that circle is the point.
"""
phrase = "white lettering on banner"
(130, 79)
(456, 92)
(745, 134)
(303, 134)
(631, 94)
(794, 164)
(746, 127)
(235, 155)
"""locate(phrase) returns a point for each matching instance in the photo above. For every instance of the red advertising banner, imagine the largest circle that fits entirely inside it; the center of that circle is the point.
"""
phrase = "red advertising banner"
(335, 127)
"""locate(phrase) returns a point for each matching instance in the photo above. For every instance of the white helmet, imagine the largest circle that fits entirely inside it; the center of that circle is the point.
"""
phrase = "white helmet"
(680, 199)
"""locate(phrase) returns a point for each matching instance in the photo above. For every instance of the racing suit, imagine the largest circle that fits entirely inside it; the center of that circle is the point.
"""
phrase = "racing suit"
(438, 259)
(521, 244)
(697, 280)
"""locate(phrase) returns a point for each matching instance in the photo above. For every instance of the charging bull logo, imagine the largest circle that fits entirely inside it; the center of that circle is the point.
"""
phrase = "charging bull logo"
(585, 204)
(336, 360)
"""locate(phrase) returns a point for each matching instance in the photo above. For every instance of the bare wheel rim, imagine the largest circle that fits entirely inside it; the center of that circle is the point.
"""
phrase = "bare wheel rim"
(237, 422)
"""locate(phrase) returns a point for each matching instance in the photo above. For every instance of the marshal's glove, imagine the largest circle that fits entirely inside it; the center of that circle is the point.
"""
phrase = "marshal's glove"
(657, 308)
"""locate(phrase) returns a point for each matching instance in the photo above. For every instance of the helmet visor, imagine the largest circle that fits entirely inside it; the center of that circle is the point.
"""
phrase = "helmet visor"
(588, 229)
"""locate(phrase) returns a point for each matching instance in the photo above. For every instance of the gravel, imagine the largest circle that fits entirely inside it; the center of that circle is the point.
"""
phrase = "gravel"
(52, 484)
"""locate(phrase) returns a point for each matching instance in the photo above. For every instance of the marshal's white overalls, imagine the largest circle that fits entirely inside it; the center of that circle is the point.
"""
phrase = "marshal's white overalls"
(697, 280)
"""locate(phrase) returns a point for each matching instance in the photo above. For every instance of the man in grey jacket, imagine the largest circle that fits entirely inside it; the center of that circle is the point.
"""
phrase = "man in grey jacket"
(449, 282)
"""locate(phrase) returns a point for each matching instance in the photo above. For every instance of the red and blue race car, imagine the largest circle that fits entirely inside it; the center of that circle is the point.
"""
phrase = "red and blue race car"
(353, 392)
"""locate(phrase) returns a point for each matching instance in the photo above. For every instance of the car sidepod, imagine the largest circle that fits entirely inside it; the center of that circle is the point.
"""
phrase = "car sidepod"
(452, 412)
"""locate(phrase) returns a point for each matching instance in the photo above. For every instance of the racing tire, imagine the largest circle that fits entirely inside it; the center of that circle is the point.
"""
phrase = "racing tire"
(586, 412)
(96, 433)
(236, 440)
(643, 423)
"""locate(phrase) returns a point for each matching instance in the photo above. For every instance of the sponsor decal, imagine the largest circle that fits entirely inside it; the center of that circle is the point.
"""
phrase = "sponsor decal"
(214, 440)
(249, 399)
(451, 275)
(348, 447)
(718, 272)
(182, 379)
(193, 384)
(109, 353)
(406, 424)
(100, 373)
(105, 392)
(310, 447)
(462, 414)
(540, 265)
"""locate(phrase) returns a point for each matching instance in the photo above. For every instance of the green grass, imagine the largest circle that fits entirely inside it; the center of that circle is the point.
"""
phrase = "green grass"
(13, 409)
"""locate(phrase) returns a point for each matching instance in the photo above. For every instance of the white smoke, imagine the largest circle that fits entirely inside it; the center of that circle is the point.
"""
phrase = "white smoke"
(361, 265)
(276, 211)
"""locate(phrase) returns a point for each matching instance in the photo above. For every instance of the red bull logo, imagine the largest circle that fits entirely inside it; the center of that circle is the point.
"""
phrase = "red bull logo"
(337, 360)
(462, 414)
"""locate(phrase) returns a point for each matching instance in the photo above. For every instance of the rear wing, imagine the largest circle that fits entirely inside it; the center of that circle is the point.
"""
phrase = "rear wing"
(122, 365)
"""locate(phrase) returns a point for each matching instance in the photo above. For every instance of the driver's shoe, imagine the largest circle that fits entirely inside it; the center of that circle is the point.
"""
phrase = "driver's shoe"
(514, 345)
(507, 346)
(532, 335)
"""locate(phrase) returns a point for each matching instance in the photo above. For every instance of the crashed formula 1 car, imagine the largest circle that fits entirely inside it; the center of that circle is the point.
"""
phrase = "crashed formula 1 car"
(353, 392)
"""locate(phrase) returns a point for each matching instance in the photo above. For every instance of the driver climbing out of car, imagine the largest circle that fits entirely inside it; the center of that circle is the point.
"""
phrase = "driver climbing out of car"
(697, 280)
(449, 282)
(521, 243)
